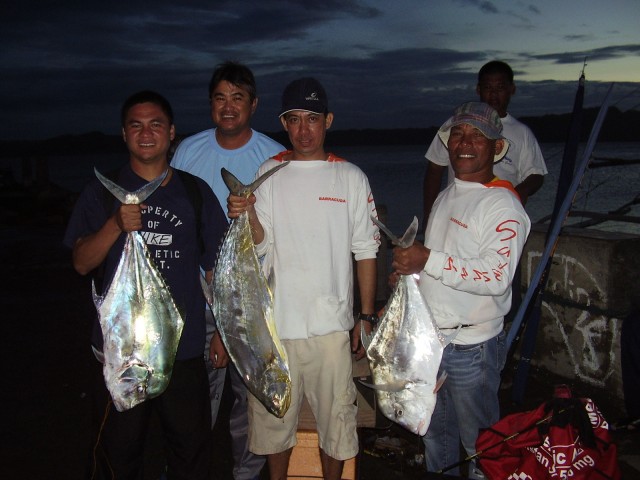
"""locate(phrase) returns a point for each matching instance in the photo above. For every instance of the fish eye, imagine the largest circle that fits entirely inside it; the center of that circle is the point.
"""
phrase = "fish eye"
(399, 412)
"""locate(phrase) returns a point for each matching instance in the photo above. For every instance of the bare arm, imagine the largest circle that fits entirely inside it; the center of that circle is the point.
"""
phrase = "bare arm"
(90, 251)
(217, 352)
(366, 272)
(431, 188)
(529, 186)
(413, 259)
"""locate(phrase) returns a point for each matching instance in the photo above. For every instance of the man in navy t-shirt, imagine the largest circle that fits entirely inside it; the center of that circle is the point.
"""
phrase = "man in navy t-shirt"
(182, 236)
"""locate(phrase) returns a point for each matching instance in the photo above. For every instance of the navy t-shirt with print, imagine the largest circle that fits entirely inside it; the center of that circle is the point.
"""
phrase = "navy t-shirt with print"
(169, 230)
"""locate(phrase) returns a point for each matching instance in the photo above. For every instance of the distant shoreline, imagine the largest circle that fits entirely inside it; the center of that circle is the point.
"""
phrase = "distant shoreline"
(618, 127)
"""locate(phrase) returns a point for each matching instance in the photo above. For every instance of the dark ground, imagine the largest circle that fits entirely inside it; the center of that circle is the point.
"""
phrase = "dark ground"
(46, 310)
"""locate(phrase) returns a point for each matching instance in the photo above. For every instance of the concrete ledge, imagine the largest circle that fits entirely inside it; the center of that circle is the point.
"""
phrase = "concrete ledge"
(592, 285)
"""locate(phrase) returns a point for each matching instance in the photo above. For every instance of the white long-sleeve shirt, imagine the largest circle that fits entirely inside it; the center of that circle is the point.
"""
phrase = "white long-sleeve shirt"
(476, 234)
(316, 218)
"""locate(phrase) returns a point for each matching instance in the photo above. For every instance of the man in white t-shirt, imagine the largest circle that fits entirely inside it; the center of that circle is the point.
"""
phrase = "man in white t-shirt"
(309, 221)
(523, 165)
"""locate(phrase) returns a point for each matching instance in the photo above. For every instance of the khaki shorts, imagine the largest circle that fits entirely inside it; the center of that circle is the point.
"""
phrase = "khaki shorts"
(321, 371)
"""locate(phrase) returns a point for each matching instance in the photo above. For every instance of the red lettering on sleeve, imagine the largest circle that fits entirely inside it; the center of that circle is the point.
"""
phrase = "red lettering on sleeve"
(481, 276)
(450, 265)
(497, 274)
(504, 228)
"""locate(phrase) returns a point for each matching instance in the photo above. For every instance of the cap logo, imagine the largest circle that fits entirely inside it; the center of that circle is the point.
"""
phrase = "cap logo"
(304, 94)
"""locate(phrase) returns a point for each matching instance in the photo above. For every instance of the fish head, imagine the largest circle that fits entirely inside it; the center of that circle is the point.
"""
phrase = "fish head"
(277, 391)
(411, 407)
(131, 387)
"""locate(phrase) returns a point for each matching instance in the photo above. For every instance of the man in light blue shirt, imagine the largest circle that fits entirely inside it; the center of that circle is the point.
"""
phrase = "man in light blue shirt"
(234, 145)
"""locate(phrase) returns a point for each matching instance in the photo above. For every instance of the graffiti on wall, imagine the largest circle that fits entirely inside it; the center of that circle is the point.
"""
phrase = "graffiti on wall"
(589, 336)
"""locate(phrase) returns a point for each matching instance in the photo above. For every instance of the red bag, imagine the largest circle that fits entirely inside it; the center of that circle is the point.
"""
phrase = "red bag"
(566, 438)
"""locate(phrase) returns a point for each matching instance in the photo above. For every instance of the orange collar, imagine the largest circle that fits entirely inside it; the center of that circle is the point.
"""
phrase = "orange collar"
(496, 182)
(330, 157)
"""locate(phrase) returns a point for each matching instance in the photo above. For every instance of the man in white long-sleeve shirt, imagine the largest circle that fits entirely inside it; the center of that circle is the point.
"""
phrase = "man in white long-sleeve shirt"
(473, 242)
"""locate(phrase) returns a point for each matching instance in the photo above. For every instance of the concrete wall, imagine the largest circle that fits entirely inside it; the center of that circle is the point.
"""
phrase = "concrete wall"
(592, 283)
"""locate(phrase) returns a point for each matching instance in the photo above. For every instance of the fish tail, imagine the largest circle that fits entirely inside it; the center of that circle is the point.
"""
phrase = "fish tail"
(126, 197)
(408, 237)
(410, 234)
(236, 187)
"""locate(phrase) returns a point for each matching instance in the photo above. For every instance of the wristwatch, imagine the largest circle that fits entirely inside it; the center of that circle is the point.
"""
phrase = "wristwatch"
(372, 318)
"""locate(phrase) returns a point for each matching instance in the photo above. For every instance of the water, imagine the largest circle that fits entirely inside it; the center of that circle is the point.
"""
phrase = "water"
(396, 174)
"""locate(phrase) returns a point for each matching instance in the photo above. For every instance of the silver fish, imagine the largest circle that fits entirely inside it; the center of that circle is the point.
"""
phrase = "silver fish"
(140, 322)
(242, 305)
(405, 351)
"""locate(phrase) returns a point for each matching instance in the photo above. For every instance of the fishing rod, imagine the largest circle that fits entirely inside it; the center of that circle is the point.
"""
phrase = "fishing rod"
(506, 439)
(539, 279)
(567, 168)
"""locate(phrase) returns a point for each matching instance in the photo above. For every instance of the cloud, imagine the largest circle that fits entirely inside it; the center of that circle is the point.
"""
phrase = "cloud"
(534, 9)
(66, 68)
(604, 53)
(578, 38)
(484, 5)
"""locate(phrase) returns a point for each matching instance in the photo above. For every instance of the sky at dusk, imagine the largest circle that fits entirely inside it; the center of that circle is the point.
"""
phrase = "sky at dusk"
(67, 66)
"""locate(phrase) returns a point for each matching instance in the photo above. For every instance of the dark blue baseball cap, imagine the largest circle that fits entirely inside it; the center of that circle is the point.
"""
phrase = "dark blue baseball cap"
(305, 94)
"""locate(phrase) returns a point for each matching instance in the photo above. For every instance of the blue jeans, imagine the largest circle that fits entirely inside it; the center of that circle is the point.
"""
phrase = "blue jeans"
(467, 402)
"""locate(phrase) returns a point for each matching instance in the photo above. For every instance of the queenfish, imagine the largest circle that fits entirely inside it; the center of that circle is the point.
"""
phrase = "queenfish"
(242, 303)
(405, 351)
(140, 322)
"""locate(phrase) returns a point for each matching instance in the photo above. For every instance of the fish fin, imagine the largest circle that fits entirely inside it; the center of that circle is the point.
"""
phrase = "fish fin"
(207, 289)
(365, 338)
(271, 279)
(128, 198)
(387, 387)
(97, 299)
(440, 381)
(236, 187)
(447, 339)
(408, 237)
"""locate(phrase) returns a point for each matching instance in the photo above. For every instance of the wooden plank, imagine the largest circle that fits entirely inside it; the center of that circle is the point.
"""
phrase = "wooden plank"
(305, 459)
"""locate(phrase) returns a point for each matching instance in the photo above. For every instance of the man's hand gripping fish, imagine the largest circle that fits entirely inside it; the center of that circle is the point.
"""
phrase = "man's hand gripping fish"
(242, 304)
(140, 322)
(405, 351)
